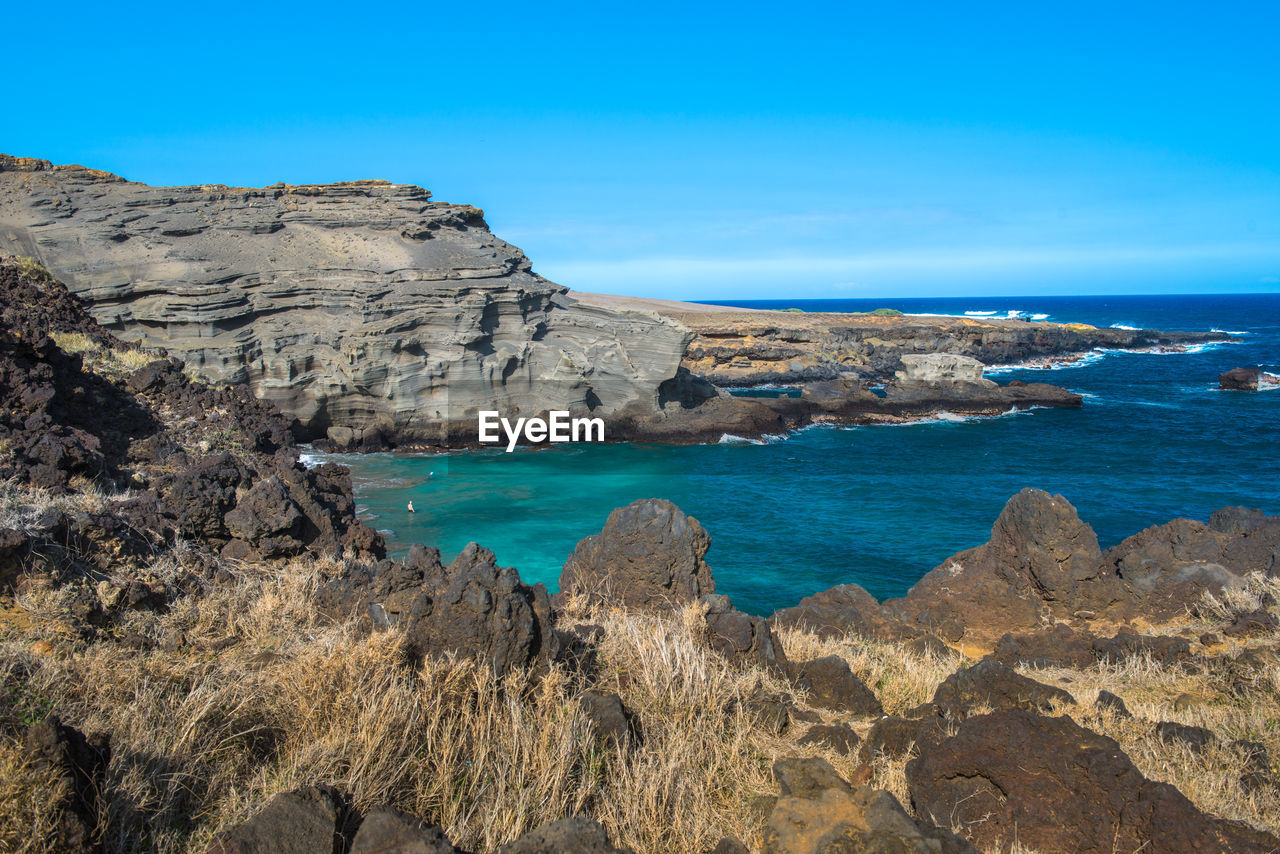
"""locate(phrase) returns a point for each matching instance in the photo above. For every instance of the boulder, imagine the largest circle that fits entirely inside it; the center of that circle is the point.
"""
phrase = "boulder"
(942, 372)
(895, 738)
(614, 723)
(1041, 562)
(831, 684)
(838, 737)
(990, 684)
(1052, 786)
(1110, 702)
(389, 831)
(305, 821)
(649, 556)
(267, 519)
(841, 610)
(578, 835)
(1240, 379)
(80, 766)
(818, 812)
(741, 638)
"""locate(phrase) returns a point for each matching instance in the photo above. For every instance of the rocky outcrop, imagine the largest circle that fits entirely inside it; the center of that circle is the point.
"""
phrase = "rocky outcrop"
(818, 811)
(1053, 786)
(949, 373)
(829, 683)
(143, 456)
(570, 834)
(991, 685)
(1041, 561)
(308, 820)
(741, 347)
(79, 766)
(363, 305)
(1247, 379)
(472, 607)
(650, 556)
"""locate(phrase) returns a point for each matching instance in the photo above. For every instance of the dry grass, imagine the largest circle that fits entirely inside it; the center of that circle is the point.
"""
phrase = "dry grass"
(99, 358)
(257, 694)
(22, 505)
(25, 821)
(1258, 591)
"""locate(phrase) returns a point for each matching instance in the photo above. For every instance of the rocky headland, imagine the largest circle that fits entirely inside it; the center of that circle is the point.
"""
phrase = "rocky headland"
(202, 649)
(373, 316)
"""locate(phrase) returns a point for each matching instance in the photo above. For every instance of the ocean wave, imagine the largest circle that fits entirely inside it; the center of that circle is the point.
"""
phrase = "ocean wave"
(1050, 363)
(732, 439)
(1039, 317)
(1229, 332)
(1124, 326)
(310, 459)
(981, 313)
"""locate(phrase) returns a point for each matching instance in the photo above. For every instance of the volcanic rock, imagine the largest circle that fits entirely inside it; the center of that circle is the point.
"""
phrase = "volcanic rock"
(741, 638)
(650, 556)
(839, 737)
(830, 684)
(1053, 786)
(818, 811)
(80, 764)
(580, 835)
(1240, 379)
(388, 831)
(306, 821)
(989, 684)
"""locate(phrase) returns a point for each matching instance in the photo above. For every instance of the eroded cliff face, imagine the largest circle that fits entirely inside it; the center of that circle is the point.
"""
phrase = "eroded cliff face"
(359, 306)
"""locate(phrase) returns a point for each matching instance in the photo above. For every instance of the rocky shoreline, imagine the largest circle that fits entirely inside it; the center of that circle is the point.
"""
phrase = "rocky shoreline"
(201, 648)
(375, 317)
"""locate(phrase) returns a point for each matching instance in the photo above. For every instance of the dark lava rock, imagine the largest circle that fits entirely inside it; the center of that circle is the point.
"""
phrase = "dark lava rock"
(1107, 700)
(818, 812)
(1257, 622)
(1053, 786)
(771, 712)
(578, 835)
(649, 556)
(730, 845)
(1041, 561)
(1240, 379)
(614, 722)
(928, 646)
(839, 737)
(306, 821)
(991, 684)
(742, 638)
(80, 764)
(1238, 520)
(841, 610)
(832, 685)
(1057, 646)
(1195, 738)
(388, 831)
(472, 607)
(894, 738)
(267, 519)
(1163, 649)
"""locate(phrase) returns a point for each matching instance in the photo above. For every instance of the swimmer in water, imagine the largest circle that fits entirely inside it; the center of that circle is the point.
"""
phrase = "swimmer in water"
(410, 506)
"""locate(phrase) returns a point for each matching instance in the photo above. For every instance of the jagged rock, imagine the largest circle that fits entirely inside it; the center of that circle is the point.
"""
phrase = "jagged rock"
(614, 723)
(844, 609)
(928, 646)
(895, 737)
(1163, 649)
(1053, 786)
(360, 304)
(819, 812)
(1239, 520)
(830, 684)
(306, 821)
(650, 555)
(579, 835)
(472, 607)
(267, 518)
(388, 831)
(1057, 646)
(1240, 379)
(730, 845)
(991, 684)
(1041, 561)
(1257, 622)
(1107, 700)
(1194, 738)
(771, 712)
(80, 764)
(839, 737)
(741, 638)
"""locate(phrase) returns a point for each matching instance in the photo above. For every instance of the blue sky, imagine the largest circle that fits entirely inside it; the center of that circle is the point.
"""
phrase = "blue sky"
(717, 150)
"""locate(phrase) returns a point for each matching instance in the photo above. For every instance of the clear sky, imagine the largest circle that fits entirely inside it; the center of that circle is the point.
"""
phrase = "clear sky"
(706, 151)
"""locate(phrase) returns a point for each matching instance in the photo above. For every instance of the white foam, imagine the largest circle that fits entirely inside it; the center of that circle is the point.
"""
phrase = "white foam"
(981, 313)
(1039, 317)
(1229, 332)
(310, 459)
(1124, 326)
(731, 439)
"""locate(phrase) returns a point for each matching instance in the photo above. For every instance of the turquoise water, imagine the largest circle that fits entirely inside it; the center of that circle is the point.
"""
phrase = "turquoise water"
(881, 505)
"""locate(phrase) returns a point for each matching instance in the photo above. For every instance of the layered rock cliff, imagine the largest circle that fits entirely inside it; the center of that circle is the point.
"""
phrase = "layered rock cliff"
(362, 306)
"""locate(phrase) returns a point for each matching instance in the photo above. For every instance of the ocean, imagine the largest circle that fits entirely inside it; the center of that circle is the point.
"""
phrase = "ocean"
(882, 505)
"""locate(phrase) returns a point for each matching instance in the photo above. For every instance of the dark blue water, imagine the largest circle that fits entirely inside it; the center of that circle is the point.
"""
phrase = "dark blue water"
(882, 505)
